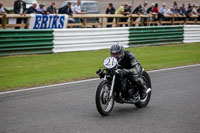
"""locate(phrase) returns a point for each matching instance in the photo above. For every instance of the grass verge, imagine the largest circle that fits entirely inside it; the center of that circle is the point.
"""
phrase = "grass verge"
(35, 70)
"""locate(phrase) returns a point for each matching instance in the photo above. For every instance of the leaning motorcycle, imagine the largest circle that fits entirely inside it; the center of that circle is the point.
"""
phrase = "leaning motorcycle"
(116, 88)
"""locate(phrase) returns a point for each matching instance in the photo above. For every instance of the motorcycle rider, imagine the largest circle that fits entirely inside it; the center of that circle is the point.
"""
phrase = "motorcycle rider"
(131, 67)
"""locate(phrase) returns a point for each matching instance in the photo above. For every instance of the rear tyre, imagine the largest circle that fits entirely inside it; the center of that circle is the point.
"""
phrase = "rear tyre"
(103, 103)
(144, 102)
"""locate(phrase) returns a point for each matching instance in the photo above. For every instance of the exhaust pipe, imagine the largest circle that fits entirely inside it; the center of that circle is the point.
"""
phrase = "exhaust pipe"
(148, 90)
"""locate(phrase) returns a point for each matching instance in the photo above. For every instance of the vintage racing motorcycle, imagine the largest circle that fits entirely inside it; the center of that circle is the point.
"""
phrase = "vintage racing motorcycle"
(115, 88)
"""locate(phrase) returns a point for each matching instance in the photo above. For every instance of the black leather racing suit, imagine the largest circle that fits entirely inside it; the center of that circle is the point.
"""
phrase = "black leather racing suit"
(134, 69)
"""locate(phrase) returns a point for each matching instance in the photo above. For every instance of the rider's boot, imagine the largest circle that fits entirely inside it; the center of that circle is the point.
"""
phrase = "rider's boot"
(144, 89)
(143, 92)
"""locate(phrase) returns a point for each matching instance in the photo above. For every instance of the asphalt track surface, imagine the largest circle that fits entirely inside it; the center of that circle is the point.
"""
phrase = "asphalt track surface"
(174, 108)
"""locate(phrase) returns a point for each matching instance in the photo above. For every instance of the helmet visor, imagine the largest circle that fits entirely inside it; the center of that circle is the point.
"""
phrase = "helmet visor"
(116, 55)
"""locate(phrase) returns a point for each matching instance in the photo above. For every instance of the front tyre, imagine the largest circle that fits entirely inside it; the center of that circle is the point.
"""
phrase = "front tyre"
(144, 102)
(104, 104)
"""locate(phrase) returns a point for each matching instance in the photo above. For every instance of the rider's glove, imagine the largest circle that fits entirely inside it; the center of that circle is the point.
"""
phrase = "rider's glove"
(100, 73)
(122, 72)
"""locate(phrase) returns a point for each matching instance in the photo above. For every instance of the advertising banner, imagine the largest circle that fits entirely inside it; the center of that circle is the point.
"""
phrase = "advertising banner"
(39, 21)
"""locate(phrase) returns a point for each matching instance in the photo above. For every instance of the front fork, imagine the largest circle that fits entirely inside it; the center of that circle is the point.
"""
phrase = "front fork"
(112, 86)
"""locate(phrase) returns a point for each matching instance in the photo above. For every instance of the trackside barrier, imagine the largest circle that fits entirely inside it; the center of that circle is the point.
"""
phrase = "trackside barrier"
(155, 35)
(191, 33)
(15, 42)
(89, 39)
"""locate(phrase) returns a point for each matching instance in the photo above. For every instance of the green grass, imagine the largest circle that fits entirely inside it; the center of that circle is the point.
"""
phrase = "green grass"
(35, 70)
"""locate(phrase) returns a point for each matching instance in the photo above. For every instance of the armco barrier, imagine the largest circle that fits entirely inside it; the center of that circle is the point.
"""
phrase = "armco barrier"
(89, 39)
(155, 35)
(191, 33)
(14, 42)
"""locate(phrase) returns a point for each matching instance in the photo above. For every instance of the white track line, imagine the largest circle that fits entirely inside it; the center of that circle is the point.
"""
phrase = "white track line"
(173, 68)
(81, 81)
(54, 85)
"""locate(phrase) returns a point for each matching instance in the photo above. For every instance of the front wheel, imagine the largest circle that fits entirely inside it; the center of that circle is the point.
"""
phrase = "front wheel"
(104, 104)
(144, 102)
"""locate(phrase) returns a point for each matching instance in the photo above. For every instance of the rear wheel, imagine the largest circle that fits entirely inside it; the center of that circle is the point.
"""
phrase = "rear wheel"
(104, 104)
(144, 102)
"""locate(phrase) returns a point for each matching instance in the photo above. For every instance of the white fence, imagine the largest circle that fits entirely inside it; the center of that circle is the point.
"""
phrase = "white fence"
(191, 33)
(89, 39)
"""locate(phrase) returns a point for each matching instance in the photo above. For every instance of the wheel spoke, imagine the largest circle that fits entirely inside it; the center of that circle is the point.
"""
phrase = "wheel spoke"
(106, 105)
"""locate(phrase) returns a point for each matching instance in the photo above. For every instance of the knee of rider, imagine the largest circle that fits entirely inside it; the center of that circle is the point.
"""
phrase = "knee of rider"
(140, 81)
(133, 78)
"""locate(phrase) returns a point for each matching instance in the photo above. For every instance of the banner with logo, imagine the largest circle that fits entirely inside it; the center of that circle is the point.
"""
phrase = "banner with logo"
(39, 21)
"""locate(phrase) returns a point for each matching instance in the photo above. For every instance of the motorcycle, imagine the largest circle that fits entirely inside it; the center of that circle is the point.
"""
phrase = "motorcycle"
(117, 88)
